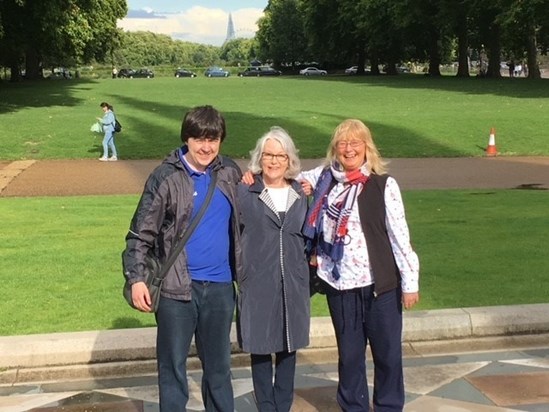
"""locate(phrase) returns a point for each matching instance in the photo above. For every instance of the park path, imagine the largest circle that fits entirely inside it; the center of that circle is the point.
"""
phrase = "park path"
(91, 177)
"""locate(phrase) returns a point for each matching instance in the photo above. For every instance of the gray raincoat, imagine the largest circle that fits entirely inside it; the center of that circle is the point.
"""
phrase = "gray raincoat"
(273, 304)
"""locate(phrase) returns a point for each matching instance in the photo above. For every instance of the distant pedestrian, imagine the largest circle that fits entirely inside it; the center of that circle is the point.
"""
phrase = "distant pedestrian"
(518, 70)
(483, 63)
(107, 122)
(511, 66)
(114, 72)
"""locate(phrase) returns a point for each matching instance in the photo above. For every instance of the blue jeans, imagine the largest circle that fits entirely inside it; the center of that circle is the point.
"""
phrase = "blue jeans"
(360, 318)
(208, 316)
(277, 397)
(108, 142)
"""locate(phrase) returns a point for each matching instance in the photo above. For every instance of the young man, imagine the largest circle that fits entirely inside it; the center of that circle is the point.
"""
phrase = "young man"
(198, 296)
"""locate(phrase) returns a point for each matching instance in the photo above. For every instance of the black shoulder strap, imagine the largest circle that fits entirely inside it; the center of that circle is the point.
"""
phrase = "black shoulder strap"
(178, 248)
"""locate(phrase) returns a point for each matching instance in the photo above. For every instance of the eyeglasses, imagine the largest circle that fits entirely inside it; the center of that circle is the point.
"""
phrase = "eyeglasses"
(280, 158)
(342, 144)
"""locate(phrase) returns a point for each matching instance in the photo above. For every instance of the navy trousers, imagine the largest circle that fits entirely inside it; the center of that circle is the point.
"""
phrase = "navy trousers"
(208, 316)
(360, 318)
(277, 396)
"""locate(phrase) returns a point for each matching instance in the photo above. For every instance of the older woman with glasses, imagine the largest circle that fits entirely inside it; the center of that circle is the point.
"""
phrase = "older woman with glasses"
(357, 226)
(273, 303)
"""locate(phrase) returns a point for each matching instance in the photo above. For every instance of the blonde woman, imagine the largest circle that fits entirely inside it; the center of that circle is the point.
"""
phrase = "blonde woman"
(357, 224)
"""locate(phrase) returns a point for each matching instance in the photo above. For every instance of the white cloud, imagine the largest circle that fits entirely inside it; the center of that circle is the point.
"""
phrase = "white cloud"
(197, 24)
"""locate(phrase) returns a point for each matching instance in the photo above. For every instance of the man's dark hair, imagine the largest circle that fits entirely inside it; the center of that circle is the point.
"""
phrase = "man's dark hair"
(203, 121)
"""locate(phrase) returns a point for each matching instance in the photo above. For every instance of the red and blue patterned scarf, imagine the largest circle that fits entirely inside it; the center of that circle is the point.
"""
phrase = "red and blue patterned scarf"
(329, 235)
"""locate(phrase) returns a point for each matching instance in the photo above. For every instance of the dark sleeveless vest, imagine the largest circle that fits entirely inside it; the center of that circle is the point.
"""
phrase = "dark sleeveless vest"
(371, 209)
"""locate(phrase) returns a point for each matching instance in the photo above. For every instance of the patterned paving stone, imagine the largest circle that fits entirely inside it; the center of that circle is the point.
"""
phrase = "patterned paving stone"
(491, 381)
(425, 379)
(93, 401)
(432, 404)
(516, 389)
(322, 399)
(22, 403)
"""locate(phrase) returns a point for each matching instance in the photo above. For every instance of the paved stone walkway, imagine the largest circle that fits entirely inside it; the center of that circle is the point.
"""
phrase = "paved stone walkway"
(515, 379)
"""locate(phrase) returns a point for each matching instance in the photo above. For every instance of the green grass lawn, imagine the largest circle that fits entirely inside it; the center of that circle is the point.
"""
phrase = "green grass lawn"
(410, 115)
(62, 265)
(476, 248)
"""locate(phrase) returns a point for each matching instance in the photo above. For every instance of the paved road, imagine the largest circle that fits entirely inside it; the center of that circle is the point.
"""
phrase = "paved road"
(91, 177)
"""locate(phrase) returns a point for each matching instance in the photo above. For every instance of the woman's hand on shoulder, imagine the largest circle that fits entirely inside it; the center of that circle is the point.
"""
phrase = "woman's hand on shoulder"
(248, 178)
(306, 186)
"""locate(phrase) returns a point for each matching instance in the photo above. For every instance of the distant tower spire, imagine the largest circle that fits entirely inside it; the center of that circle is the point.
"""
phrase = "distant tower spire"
(231, 35)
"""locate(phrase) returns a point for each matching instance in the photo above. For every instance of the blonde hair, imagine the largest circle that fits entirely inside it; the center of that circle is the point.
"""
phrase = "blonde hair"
(281, 136)
(353, 129)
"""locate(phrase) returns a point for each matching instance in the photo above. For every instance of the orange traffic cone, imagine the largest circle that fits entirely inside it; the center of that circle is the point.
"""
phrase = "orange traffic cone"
(491, 149)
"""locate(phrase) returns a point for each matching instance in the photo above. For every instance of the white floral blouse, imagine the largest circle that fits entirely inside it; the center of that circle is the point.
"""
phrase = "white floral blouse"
(354, 268)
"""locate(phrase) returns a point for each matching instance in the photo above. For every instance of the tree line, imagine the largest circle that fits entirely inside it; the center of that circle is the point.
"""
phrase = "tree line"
(389, 32)
(36, 34)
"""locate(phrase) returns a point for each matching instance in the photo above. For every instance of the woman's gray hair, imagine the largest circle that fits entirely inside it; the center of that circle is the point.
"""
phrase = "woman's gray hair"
(282, 137)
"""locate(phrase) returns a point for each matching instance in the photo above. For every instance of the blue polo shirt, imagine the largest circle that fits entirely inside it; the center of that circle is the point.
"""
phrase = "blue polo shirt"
(208, 247)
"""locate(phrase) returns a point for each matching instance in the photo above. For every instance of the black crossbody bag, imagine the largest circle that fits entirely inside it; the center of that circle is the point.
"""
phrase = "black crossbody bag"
(155, 272)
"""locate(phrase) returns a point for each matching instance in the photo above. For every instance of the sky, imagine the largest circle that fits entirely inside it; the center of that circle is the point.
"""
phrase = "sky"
(197, 21)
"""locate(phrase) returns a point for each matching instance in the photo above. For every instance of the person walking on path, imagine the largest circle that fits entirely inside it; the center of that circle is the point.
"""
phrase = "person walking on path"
(273, 315)
(357, 227)
(198, 295)
(107, 122)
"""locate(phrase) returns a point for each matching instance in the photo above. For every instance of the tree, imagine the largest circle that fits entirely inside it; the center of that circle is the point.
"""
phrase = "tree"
(11, 55)
(521, 22)
(427, 30)
(57, 31)
(329, 36)
(281, 33)
(485, 14)
(457, 16)
(237, 51)
(383, 37)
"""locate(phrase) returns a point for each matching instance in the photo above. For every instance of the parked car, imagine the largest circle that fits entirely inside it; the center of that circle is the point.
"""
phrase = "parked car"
(215, 71)
(130, 73)
(125, 73)
(313, 71)
(146, 73)
(184, 73)
(59, 73)
(259, 71)
(351, 70)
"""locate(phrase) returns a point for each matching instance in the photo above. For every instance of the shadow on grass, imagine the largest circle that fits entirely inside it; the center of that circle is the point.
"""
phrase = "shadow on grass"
(506, 87)
(40, 93)
(143, 139)
(130, 322)
(390, 140)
